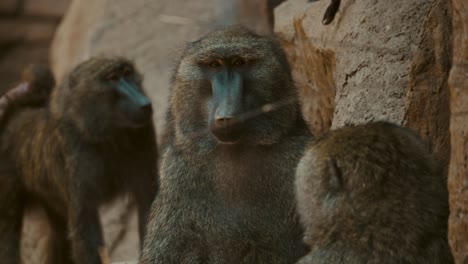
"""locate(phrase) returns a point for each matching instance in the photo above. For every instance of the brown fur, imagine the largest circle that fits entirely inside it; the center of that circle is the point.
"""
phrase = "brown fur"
(11, 208)
(33, 91)
(369, 194)
(222, 203)
(71, 156)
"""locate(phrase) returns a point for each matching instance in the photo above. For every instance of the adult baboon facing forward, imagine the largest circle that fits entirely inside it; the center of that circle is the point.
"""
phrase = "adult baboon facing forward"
(93, 141)
(369, 194)
(226, 187)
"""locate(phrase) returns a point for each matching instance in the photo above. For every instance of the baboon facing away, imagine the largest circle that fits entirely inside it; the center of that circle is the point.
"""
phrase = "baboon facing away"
(369, 194)
(234, 137)
(92, 141)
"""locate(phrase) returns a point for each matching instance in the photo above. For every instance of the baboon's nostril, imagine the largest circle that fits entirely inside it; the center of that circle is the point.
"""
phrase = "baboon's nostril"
(147, 108)
(226, 122)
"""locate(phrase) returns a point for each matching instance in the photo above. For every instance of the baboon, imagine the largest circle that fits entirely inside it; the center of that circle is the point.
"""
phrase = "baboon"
(90, 142)
(234, 137)
(369, 194)
(33, 91)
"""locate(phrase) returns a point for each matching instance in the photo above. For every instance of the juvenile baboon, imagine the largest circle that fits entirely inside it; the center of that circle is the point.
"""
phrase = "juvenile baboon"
(234, 137)
(92, 141)
(369, 194)
(33, 91)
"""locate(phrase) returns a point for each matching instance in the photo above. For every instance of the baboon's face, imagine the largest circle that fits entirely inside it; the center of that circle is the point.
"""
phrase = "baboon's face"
(108, 93)
(229, 83)
(229, 101)
(131, 106)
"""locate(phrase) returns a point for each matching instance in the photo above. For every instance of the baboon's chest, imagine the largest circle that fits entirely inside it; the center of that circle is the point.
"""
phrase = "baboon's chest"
(252, 178)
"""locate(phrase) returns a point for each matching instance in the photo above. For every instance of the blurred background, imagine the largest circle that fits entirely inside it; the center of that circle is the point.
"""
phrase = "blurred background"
(26, 32)
(402, 61)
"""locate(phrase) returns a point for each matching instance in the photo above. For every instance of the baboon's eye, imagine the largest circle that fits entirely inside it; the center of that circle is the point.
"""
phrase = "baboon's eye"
(214, 64)
(127, 71)
(112, 77)
(238, 62)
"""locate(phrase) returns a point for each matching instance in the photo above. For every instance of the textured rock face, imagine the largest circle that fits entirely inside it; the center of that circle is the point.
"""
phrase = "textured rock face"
(458, 170)
(427, 100)
(373, 50)
(362, 66)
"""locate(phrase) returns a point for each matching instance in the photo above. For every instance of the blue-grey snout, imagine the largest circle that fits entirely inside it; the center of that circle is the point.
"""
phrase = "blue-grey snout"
(135, 104)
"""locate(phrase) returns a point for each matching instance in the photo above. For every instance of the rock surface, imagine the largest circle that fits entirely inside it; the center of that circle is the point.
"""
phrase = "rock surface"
(427, 108)
(458, 170)
(359, 68)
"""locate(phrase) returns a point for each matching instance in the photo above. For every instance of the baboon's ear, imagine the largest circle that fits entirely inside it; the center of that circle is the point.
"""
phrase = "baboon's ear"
(336, 176)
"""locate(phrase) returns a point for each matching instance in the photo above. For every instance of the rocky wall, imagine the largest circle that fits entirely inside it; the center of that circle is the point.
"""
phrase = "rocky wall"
(458, 169)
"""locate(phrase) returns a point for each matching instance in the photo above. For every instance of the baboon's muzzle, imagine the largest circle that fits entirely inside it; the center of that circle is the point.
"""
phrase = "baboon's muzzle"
(225, 122)
(136, 107)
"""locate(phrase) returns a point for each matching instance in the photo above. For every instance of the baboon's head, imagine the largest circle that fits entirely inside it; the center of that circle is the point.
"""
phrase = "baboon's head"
(101, 95)
(231, 87)
(371, 182)
(41, 82)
